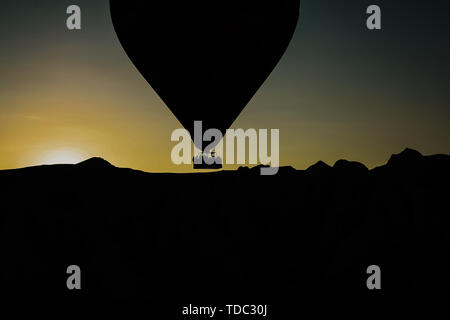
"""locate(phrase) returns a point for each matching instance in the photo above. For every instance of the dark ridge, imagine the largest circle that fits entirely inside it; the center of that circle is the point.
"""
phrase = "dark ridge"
(345, 165)
(407, 157)
(438, 157)
(95, 163)
(286, 170)
(319, 166)
(218, 235)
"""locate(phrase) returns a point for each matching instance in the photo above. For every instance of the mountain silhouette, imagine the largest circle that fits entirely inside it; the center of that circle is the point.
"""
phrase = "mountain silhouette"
(227, 234)
(95, 163)
(406, 156)
(319, 167)
(350, 166)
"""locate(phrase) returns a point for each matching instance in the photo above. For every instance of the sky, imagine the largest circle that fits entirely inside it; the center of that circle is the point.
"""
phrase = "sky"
(340, 91)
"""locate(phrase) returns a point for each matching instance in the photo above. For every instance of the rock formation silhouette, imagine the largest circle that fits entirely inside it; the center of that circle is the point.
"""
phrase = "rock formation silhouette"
(300, 233)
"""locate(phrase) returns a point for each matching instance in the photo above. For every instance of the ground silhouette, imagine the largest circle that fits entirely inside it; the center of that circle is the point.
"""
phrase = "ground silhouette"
(228, 234)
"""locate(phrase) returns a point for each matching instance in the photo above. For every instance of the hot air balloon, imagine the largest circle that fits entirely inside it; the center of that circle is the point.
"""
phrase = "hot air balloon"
(205, 59)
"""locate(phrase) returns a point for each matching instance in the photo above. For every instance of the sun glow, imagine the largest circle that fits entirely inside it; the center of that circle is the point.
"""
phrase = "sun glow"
(66, 156)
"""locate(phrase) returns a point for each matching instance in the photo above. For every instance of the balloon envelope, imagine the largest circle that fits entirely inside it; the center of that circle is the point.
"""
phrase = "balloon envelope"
(205, 59)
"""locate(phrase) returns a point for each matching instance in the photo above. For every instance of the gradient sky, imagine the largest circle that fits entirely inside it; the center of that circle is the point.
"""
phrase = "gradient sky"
(340, 91)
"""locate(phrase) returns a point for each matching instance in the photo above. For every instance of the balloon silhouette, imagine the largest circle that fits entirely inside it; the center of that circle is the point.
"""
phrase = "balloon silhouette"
(205, 59)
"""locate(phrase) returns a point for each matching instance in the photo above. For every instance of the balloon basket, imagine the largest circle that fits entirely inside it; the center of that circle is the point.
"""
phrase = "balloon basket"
(207, 161)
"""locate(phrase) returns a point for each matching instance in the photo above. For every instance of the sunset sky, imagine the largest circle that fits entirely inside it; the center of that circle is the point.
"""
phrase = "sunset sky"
(340, 90)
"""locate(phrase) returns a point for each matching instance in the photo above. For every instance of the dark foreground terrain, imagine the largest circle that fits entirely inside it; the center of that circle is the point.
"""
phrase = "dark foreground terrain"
(236, 234)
